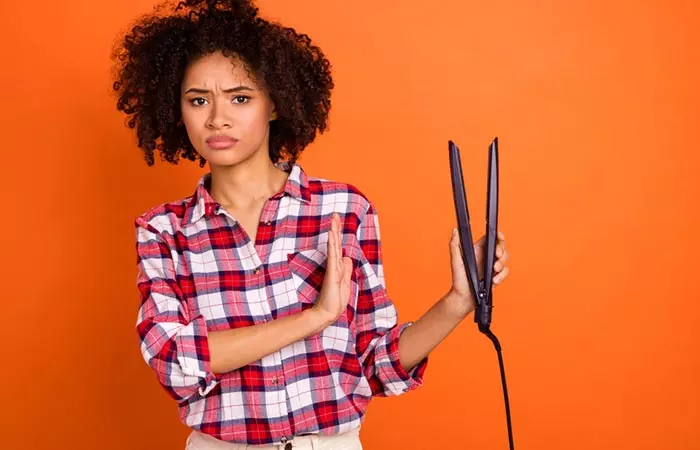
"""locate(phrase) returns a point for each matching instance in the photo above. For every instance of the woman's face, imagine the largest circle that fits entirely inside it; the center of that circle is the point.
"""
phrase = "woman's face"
(227, 116)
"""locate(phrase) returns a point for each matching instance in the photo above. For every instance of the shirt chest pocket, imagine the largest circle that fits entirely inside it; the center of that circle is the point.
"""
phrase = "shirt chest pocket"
(308, 270)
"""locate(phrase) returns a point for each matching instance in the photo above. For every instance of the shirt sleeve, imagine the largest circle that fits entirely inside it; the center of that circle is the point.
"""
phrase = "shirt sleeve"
(173, 344)
(378, 330)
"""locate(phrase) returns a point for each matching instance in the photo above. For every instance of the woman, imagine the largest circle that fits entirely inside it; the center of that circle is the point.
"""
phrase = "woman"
(263, 312)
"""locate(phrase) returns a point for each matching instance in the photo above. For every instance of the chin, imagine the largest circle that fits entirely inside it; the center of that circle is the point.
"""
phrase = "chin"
(220, 159)
(224, 158)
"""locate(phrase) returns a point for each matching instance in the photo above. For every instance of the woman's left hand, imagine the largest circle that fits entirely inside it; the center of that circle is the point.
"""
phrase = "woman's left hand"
(460, 294)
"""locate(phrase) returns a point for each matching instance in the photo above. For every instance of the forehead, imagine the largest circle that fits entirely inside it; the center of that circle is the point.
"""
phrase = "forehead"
(217, 70)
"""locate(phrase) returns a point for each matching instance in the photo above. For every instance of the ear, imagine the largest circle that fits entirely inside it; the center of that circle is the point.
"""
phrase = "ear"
(273, 115)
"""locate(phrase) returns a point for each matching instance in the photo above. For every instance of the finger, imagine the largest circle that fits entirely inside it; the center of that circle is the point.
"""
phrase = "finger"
(347, 278)
(500, 244)
(332, 257)
(338, 241)
(347, 270)
(501, 276)
(501, 251)
(347, 267)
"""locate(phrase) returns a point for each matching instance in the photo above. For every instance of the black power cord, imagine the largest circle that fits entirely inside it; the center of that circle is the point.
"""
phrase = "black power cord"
(487, 331)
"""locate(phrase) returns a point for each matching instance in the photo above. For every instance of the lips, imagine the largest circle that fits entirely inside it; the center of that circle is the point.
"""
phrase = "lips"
(221, 142)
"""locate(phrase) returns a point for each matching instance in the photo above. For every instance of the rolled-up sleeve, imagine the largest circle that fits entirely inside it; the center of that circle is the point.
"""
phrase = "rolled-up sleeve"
(378, 331)
(173, 344)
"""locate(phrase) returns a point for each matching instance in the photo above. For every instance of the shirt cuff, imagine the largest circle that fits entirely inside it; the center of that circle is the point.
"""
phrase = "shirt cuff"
(396, 379)
(194, 357)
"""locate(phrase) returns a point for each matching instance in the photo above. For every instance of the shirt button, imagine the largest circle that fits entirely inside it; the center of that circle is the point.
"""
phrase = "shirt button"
(257, 270)
(268, 223)
(275, 380)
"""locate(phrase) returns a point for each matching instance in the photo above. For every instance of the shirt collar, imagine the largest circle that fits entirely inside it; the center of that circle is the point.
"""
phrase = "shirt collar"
(203, 204)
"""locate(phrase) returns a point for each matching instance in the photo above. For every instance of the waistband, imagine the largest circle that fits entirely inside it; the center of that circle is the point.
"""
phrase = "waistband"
(202, 441)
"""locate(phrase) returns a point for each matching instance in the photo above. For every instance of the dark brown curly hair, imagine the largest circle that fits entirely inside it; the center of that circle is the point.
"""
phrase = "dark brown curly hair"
(150, 62)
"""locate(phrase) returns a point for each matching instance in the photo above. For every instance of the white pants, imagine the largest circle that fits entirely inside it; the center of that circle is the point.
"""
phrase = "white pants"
(346, 441)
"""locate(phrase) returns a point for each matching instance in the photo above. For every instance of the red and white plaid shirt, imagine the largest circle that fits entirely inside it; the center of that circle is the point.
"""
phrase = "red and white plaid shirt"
(199, 272)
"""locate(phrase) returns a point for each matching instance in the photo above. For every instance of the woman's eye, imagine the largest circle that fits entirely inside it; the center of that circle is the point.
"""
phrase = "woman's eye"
(240, 99)
(199, 101)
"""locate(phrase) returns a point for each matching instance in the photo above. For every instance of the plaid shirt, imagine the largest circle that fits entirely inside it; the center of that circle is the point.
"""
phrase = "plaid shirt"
(198, 271)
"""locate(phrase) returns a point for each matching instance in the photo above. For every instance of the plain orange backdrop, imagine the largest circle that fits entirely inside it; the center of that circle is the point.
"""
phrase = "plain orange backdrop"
(597, 108)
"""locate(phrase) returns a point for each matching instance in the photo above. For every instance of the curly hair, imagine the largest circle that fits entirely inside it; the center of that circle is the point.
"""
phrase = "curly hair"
(151, 59)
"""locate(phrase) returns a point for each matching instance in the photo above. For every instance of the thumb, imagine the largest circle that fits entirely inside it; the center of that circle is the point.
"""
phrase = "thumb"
(455, 247)
(454, 240)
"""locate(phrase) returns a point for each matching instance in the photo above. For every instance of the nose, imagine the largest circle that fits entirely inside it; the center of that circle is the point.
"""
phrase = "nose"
(218, 117)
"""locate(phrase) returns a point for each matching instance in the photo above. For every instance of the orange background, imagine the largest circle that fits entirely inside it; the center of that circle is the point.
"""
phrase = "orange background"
(597, 108)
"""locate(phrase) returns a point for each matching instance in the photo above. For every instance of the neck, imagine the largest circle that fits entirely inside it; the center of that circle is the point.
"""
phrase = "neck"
(246, 184)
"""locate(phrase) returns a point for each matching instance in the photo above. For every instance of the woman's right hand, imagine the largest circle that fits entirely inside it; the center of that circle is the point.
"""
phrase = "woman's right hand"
(335, 291)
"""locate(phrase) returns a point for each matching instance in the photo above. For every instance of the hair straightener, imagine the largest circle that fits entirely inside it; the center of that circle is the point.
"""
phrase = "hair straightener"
(481, 289)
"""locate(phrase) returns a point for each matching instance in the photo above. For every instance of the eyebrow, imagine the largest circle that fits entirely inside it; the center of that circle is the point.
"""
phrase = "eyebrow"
(226, 91)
